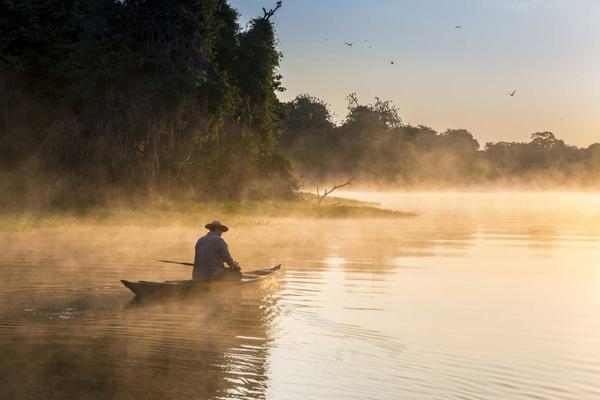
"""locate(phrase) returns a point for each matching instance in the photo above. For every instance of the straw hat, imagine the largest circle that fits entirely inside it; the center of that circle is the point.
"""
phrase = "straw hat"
(216, 225)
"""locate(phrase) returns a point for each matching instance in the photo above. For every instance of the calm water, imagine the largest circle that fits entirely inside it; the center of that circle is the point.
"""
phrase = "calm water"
(481, 296)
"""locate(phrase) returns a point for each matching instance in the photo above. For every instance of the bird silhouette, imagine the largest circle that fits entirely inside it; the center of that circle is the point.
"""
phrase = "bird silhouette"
(391, 62)
(458, 27)
(349, 44)
(512, 93)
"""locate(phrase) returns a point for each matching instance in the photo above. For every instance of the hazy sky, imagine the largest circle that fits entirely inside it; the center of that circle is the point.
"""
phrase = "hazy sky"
(546, 50)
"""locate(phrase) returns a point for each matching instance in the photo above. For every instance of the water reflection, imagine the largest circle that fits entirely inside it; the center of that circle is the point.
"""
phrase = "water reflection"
(80, 347)
(479, 296)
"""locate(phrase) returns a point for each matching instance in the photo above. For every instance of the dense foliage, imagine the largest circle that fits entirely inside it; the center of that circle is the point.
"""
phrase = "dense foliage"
(142, 95)
(175, 97)
(373, 145)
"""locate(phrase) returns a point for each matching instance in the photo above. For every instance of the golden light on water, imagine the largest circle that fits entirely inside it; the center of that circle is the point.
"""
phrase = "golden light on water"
(480, 294)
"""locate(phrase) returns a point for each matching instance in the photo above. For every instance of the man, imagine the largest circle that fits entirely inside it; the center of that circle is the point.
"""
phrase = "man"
(211, 253)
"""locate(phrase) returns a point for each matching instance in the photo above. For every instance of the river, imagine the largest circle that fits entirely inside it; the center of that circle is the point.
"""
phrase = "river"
(478, 296)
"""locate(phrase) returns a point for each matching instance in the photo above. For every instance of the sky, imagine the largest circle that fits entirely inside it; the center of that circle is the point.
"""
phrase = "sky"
(443, 77)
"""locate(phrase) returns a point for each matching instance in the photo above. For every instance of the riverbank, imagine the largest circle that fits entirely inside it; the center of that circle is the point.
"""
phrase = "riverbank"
(169, 212)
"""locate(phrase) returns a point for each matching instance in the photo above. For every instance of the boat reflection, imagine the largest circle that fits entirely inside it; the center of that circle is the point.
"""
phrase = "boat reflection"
(206, 347)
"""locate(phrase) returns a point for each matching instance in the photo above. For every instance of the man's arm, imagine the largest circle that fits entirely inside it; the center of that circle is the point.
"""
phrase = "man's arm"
(225, 255)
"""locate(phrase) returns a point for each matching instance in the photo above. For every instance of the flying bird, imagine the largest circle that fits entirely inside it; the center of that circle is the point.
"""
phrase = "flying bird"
(391, 62)
(512, 93)
(349, 44)
(458, 27)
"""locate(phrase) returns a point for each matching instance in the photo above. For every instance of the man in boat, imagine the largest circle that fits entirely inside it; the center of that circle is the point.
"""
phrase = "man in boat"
(211, 253)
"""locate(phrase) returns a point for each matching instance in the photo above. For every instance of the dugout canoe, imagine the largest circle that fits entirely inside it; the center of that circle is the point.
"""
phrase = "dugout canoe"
(190, 287)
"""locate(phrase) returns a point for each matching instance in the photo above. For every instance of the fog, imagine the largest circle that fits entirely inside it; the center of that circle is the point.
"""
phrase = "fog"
(373, 145)
(411, 301)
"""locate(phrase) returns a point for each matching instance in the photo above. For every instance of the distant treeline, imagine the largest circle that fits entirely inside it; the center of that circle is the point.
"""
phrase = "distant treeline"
(151, 95)
(373, 145)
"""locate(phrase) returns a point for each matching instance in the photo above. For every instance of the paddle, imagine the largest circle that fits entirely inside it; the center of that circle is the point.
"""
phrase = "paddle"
(177, 262)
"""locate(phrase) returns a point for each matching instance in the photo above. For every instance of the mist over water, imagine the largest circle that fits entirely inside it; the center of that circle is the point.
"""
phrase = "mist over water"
(480, 296)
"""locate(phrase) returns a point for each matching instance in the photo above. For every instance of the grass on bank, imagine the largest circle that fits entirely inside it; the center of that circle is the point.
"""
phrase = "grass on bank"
(168, 212)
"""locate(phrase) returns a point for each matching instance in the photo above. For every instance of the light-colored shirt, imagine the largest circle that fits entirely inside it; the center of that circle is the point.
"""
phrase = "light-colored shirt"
(211, 253)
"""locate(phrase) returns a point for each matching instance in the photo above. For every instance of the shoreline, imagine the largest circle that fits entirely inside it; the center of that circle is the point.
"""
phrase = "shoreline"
(172, 212)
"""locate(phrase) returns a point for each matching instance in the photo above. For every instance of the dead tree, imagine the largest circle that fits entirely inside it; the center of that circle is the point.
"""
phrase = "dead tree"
(268, 14)
(320, 196)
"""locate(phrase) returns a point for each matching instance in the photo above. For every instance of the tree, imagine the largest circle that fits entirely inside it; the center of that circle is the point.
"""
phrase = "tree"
(145, 94)
(460, 139)
(545, 140)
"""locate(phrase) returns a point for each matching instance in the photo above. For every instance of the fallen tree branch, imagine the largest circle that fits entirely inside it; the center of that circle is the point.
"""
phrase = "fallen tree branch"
(326, 192)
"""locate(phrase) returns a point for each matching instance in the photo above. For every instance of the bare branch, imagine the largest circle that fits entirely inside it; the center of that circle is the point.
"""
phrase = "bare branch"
(271, 12)
(327, 192)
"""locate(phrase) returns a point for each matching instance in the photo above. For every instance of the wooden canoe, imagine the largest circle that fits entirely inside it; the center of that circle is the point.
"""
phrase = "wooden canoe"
(189, 287)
